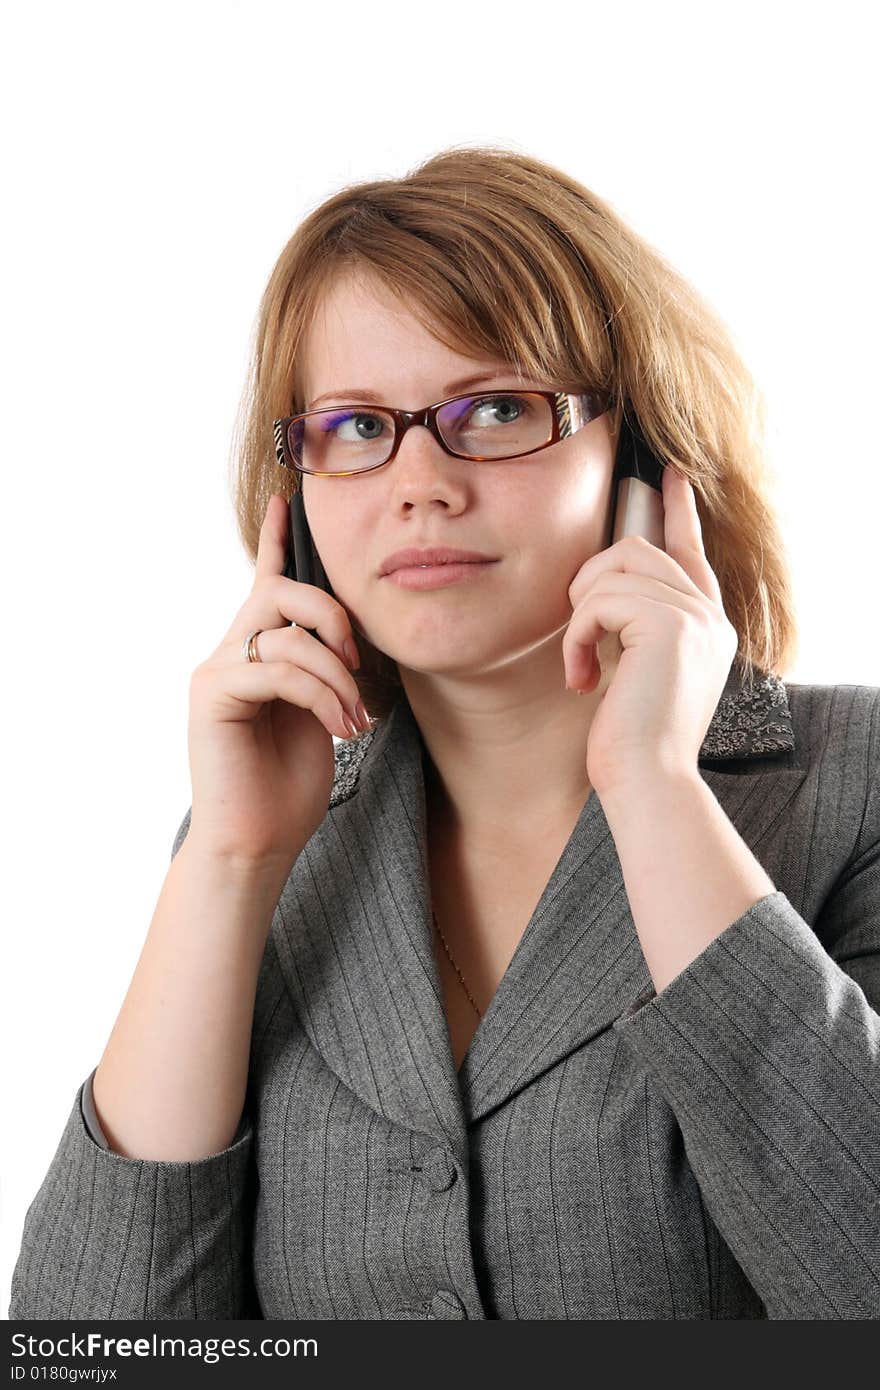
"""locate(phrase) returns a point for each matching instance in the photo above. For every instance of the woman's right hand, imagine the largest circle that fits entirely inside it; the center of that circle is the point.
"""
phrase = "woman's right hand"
(260, 740)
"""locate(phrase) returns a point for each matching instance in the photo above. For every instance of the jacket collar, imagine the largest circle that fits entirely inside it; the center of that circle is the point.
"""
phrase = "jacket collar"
(752, 718)
(354, 934)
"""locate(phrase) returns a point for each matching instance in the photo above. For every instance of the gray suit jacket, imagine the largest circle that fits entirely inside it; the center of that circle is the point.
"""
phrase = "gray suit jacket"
(605, 1152)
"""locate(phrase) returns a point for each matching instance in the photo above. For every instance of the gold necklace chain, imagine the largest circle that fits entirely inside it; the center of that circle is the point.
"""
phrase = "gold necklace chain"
(454, 966)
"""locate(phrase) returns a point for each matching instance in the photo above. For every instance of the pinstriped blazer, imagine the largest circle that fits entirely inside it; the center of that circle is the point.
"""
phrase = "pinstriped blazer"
(605, 1152)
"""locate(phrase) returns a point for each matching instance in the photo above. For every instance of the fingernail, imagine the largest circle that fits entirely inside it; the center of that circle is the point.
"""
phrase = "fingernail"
(361, 712)
(351, 655)
(353, 730)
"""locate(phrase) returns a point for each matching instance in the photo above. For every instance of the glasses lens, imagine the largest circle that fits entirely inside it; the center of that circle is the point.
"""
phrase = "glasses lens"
(341, 440)
(499, 425)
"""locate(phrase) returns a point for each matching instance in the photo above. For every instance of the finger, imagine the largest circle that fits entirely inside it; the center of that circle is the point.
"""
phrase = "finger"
(277, 601)
(237, 689)
(632, 555)
(644, 586)
(618, 611)
(272, 545)
(683, 533)
(302, 649)
(330, 619)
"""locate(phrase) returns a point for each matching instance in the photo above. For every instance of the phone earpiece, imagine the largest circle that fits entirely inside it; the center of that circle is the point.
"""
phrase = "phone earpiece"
(635, 458)
(638, 474)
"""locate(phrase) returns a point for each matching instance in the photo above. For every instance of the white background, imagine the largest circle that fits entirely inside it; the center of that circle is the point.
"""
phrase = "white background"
(157, 159)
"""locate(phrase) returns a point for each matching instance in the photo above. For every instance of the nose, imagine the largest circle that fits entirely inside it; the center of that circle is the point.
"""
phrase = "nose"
(425, 472)
(418, 443)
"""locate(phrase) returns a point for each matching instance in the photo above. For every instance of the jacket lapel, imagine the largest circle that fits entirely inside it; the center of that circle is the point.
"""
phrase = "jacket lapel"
(353, 936)
(356, 946)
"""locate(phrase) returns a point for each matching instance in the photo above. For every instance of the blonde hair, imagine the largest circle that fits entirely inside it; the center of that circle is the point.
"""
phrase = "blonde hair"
(495, 252)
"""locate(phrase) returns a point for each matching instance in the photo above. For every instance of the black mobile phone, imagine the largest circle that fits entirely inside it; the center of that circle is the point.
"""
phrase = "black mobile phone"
(638, 487)
(303, 562)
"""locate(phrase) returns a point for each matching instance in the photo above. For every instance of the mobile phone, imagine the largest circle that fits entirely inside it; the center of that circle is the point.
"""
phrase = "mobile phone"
(637, 510)
(637, 507)
(303, 562)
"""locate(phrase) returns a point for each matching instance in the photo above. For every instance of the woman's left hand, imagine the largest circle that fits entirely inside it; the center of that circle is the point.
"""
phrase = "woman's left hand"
(677, 647)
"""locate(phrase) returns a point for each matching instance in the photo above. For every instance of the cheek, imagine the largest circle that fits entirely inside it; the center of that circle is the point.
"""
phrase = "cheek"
(586, 519)
(571, 519)
(588, 490)
(338, 530)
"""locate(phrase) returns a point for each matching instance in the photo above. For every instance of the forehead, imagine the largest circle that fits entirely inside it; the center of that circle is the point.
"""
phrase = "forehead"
(363, 335)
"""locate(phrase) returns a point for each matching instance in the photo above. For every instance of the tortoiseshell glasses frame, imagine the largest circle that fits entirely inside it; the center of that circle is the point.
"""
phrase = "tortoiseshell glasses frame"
(569, 413)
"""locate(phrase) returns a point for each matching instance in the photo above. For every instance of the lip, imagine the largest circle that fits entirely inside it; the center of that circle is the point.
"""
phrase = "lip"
(433, 555)
(438, 576)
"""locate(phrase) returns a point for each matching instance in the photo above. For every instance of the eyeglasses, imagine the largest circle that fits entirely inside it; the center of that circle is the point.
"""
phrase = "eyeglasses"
(345, 439)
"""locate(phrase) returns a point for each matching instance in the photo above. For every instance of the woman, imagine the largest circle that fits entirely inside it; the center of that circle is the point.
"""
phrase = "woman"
(552, 990)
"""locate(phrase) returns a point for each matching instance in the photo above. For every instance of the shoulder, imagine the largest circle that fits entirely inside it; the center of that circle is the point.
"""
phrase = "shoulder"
(836, 720)
(837, 745)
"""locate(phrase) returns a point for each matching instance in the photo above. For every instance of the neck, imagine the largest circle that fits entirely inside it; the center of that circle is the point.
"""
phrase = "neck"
(503, 774)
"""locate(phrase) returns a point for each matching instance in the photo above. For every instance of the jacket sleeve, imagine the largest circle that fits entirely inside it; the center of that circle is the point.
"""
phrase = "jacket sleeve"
(767, 1048)
(112, 1237)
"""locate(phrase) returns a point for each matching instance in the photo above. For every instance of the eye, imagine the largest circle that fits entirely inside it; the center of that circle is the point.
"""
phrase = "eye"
(365, 426)
(498, 409)
(501, 407)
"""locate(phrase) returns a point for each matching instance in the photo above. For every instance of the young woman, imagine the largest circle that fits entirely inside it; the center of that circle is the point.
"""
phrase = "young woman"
(551, 990)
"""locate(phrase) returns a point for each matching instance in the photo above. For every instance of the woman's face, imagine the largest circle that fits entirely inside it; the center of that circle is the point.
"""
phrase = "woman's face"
(540, 516)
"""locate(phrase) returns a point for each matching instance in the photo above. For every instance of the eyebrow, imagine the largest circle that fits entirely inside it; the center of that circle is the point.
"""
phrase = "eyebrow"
(358, 393)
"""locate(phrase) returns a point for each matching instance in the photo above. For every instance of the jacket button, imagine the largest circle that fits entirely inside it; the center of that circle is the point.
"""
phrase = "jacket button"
(438, 1170)
(447, 1306)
